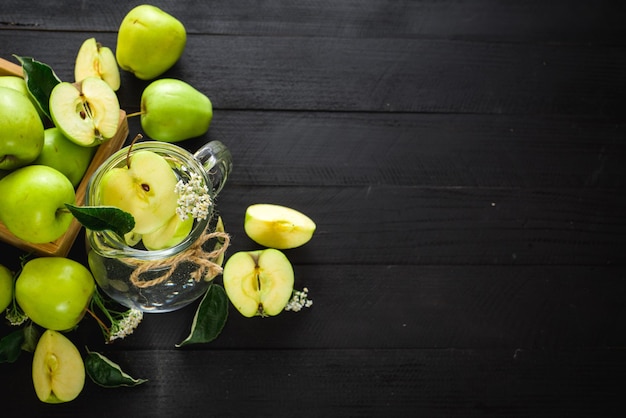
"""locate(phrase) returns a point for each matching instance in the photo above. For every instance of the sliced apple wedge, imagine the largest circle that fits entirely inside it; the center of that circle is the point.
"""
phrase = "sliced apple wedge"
(58, 369)
(145, 188)
(170, 234)
(258, 282)
(278, 226)
(87, 112)
(96, 60)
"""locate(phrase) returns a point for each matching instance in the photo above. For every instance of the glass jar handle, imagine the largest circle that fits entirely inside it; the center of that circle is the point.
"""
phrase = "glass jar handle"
(217, 162)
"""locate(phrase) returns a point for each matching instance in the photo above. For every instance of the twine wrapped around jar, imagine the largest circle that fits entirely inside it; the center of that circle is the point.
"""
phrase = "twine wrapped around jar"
(207, 268)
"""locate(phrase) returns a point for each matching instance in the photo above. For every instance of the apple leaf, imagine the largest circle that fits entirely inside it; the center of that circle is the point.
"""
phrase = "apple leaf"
(11, 346)
(101, 218)
(106, 373)
(210, 317)
(40, 80)
(31, 337)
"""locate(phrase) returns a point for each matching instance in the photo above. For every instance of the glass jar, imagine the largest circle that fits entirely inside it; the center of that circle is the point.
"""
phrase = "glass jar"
(168, 279)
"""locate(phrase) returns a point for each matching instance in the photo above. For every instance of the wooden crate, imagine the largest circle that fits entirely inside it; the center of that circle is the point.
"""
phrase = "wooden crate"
(62, 245)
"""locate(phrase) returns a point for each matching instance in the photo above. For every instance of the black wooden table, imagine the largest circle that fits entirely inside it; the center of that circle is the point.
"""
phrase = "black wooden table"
(465, 162)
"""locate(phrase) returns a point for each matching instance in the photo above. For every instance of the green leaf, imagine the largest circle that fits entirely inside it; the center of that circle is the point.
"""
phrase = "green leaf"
(210, 317)
(31, 337)
(100, 218)
(40, 80)
(11, 346)
(106, 373)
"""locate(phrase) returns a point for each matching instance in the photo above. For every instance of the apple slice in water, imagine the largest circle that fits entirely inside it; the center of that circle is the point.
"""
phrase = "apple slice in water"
(278, 226)
(145, 188)
(87, 112)
(258, 282)
(173, 232)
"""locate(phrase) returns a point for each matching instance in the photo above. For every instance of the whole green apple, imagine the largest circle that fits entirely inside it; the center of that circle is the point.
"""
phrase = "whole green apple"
(21, 130)
(172, 111)
(54, 291)
(149, 42)
(66, 156)
(18, 83)
(32, 203)
(6, 287)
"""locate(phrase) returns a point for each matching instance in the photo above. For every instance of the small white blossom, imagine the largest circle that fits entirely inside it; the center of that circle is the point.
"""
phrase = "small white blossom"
(124, 327)
(299, 300)
(16, 317)
(193, 198)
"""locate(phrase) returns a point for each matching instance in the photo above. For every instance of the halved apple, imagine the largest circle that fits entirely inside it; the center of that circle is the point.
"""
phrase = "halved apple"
(145, 188)
(278, 226)
(258, 282)
(58, 369)
(95, 60)
(87, 112)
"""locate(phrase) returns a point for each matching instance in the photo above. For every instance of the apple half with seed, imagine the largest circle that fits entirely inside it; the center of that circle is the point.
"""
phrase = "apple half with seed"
(278, 226)
(87, 112)
(258, 283)
(145, 188)
(58, 369)
(95, 60)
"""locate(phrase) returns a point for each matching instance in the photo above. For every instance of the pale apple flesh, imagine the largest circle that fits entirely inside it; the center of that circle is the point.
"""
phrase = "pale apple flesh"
(58, 370)
(277, 226)
(95, 60)
(86, 112)
(258, 283)
(146, 190)
(173, 232)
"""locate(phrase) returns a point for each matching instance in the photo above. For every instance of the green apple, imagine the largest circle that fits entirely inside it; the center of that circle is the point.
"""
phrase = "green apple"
(87, 112)
(172, 110)
(66, 156)
(144, 187)
(58, 369)
(95, 60)
(19, 84)
(54, 292)
(6, 287)
(173, 232)
(21, 130)
(258, 282)
(32, 203)
(277, 226)
(149, 42)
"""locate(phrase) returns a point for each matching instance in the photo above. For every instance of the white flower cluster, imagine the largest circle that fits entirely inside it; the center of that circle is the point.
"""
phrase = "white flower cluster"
(125, 326)
(15, 317)
(193, 198)
(299, 300)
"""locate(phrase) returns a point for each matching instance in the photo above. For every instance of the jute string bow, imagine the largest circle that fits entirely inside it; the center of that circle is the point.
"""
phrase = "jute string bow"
(204, 260)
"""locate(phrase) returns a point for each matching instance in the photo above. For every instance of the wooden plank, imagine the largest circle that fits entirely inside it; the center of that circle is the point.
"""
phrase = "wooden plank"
(356, 383)
(426, 150)
(521, 21)
(416, 307)
(379, 75)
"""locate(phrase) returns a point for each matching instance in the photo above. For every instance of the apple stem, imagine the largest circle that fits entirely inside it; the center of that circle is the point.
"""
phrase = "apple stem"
(130, 147)
(131, 115)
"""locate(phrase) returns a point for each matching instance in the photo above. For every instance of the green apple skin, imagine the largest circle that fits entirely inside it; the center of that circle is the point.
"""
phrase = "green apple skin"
(18, 84)
(172, 111)
(6, 287)
(149, 42)
(58, 369)
(258, 283)
(66, 156)
(146, 190)
(32, 203)
(277, 226)
(54, 291)
(21, 130)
